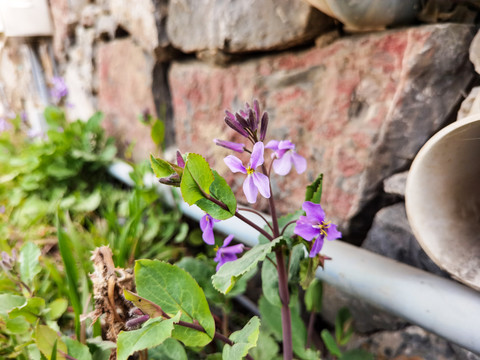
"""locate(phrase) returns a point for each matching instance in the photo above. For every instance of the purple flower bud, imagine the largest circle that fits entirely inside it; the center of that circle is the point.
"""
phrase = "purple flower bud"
(235, 125)
(230, 145)
(136, 322)
(59, 89)
(172, 180)
(263, 126)
(180, 161)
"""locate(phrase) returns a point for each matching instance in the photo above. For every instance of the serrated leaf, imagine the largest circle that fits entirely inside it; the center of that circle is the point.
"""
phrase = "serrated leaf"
(330, 343)
(220, 190)
(29, 262)
(313, 192)
(45, 338)
(244, 340)
(227, 275)
(313, 296)
(308, 267)
(174, 290)
(161, 168)
(196, 180)
(152, 333)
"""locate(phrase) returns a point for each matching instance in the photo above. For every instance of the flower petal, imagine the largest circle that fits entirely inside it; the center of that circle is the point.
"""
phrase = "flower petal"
(283, 165)
(317, 247)
(286, 145)
(257, 155)
(305, 230)
(238, 147)
(314, 211)
(262, 183)
(234, 249)
(250, 189)
(333, 233)
(299, 162)
(235, 164)
(227, 240)
(272, 144)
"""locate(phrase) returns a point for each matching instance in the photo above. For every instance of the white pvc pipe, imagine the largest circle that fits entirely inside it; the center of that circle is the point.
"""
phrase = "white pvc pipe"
(439, 305)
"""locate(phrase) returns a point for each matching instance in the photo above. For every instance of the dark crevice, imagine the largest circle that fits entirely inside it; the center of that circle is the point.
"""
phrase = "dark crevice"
(163, 101)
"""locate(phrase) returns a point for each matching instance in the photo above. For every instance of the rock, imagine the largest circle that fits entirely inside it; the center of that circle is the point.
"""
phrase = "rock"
(105, 27)
(471, 105)
(125, 92)
(366, 318)
(79, 74)
(475, 52)
(358, 109)
(395, 184)
(89, 15)
(138, 19)
(391, 236)
(411, 343)
(240, 26)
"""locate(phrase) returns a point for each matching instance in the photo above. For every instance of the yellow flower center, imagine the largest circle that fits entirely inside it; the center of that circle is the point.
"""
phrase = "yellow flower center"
(323, 227)
(250, 171)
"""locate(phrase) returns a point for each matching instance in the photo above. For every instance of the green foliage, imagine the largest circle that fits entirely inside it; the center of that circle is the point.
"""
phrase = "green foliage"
(174, 290)
(229, 273)
(29, 264)
(244, 340)
(196, 180)
(313, 192)
(152, 334)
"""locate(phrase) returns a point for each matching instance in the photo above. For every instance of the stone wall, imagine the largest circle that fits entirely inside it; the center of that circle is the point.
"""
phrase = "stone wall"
(358, 106)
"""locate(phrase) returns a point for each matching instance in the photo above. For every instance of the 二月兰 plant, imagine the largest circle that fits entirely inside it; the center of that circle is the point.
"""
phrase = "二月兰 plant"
(289, 247)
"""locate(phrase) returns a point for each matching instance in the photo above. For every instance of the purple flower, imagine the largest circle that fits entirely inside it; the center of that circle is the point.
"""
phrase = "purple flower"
(314, 226)
(246, 121)
(285, 155)
(230, 145)
(227, 253)
(255, 181)
(4, 124)
(59, 89)
(206, 224)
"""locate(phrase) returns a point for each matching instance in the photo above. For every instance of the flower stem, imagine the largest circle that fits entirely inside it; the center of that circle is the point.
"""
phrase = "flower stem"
(282, 283)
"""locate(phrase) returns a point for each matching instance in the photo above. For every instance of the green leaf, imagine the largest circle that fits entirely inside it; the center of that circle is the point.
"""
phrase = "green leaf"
(357, 354)
(266, 349)
(153, 333)
(29, 263)
(313, 296)
(76, 349)
(148, 307)
(31, 309)
(9, 302)
(228, 274)
(313, 192)
(196, 180)
(270, 281)
(158, 132)
(161, 168)
(170, 349)
(308, 268)
(17, 325)
(297, 254)
(57, 308)
(53, 355)
(343, 326)
(89, 203)
(244, 340)
(330, 343)
(45, 338)
(174, 290)
(54, 116)
(220, 190)
(66, 252)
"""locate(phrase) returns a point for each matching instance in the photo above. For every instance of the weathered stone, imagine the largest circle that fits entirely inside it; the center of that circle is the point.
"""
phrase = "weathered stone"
(391, 236)
(366, 318)
(105, 27)
(89, 15)
(138, 19)
(411, 343)
(471, 105)
(395, 184)
(475, 52)
(125, 92)
(79, 74)
(239, 26)
(358, 109)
